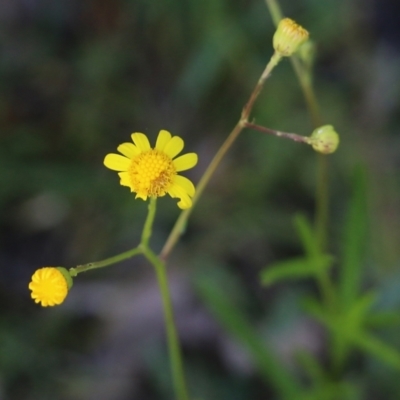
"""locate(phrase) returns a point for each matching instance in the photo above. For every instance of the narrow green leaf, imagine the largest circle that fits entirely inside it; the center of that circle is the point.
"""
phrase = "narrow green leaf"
(382, 319)
(333, 391)
(312, 367)
(358, 312)
(315, 309)
(378, 349)
(238, 325)
(307, 236)
(354, 240)
(294, 268)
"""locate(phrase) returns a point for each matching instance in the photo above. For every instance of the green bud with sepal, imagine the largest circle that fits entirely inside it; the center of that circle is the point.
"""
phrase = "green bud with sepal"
(324, 139)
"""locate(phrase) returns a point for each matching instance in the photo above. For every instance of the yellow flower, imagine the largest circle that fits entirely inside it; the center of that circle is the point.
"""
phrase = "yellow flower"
(154, 172)
(49, 286)
(288, 37)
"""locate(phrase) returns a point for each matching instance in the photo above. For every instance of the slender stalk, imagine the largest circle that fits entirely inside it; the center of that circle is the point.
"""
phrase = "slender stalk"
(175, 354)
(273, 62)
(304, 78)
(291, 136)
(106, 262)
(303, 74)
(322, 192)
(126, 254)
(174, 348)
(322, 211)
(146, 234)
(180, 223)
(274, 10)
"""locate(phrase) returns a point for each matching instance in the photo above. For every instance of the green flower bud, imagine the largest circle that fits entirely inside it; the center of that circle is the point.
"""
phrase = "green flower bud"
(288, 37)
(324, 139)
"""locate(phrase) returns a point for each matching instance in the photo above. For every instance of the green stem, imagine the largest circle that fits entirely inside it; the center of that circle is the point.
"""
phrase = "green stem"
(180, 223)
(286, 135)
(146, 234)
(322, 211)
(106, 262)
(127, 254)
(274, 10)
(175, 354)
(322, 193)
(304, 78)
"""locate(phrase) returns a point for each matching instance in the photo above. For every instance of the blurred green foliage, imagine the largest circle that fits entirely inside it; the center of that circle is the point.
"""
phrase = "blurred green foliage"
(77, 79)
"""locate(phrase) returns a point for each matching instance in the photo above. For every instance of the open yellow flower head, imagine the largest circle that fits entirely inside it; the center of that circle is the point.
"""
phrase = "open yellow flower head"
(288, 37)
(50, 285)
(153, 172)
(324, 139)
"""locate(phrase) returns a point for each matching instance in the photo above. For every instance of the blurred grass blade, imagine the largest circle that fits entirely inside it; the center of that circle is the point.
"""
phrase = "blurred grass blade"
(307, 236)
(294, 268)
(313, 307)
(382, 319)
(356, 314)
(378, 349)
(237, 324)
(354, 240)
(311, 367)
(333, 391)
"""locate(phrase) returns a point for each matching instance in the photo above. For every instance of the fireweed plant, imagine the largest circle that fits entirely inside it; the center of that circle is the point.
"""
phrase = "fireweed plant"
(153, 172)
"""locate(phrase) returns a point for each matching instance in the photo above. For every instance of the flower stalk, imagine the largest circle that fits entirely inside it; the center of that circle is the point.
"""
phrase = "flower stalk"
(322, 192)
(180, 223)
(106, 262)
(147, 229)
(174, 348)
(292, 136)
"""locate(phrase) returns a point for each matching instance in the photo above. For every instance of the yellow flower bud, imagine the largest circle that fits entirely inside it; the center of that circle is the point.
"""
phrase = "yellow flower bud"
(50, 285)
(288, 37)
(324, 139)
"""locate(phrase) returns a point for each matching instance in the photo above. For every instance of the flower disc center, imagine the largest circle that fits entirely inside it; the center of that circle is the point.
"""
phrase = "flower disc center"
(151, 173)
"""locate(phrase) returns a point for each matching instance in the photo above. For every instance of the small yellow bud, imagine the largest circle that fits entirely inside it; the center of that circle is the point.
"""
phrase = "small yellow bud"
(50, 285)
(324, 139)
(67, 276)
(288, 37)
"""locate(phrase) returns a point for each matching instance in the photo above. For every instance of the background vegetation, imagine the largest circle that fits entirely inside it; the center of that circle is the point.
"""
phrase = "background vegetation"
(76, 79)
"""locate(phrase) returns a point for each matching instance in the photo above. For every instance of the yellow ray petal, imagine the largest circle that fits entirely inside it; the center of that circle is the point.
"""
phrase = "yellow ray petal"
(128, 150)
(163, 138)
(141, 141)
(185, 184)
(185, 162)
(116, 162)
(141, 196)
(185, 201)
(174, 146)
(125, 180)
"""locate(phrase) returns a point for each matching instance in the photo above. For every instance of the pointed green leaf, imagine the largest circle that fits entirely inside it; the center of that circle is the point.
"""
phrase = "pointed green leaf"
(314, 308)
(378, 349)
(382, 319)
(294, 268)
(307, 236)
(238, 325)
(311, 366)
(357, 314)
(354, 240)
